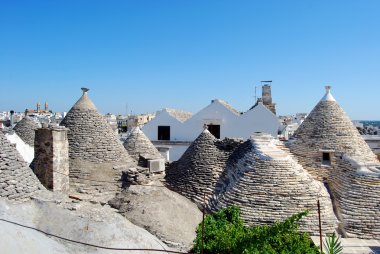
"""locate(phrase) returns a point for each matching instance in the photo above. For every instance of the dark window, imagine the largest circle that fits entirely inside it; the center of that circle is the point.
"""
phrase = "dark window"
(163, 132)
(326, 160)
(214, 129)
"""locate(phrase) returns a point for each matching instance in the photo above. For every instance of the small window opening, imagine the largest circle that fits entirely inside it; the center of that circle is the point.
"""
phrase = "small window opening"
(326, 159)
(214, 130)
(163, 133)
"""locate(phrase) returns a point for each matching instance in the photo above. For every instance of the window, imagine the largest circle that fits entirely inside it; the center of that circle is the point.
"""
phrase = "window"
(214, 129)
(326, 160)
(163, 133)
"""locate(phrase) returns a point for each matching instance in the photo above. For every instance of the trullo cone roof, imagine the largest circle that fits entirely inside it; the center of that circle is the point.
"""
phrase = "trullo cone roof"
(198, 170)
(137, 144)
(17, 180)
(329, 128)
(269, 185)
(25, 129)
(91, 138)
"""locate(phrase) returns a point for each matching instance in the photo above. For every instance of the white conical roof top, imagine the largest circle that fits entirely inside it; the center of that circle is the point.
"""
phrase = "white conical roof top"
(328, 96)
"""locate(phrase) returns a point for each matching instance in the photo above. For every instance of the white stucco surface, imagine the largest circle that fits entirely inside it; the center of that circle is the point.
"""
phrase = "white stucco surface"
(26, 151)
(232, 123)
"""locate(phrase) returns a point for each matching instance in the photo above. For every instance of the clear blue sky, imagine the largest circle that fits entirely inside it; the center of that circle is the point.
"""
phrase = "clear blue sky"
(181, 54)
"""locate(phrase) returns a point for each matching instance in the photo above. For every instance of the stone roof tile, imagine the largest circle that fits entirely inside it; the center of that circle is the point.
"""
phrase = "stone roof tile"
(17, 180)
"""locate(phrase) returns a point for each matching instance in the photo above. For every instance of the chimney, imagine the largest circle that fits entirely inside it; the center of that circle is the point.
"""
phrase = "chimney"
(267, 94)
(51, 157)
(12, 117)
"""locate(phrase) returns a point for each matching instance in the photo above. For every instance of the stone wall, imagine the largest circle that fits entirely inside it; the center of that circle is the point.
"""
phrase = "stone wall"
(17, 180)
(51, 164)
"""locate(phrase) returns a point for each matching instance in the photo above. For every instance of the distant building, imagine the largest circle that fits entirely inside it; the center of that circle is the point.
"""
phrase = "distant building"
(290, 124)
(38, 110)
(176, 129)
(112, 121)
(122, 123)
(139, 120)
(221, 119)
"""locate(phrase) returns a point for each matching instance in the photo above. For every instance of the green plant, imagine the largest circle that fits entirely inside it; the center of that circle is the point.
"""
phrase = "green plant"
(332, 244)
(225, 233)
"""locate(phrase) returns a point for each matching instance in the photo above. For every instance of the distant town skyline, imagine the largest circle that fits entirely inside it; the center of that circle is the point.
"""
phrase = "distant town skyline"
(159, 54)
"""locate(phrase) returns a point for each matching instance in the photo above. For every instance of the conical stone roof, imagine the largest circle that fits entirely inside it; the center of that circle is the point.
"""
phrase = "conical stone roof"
(94, 149)
(269, 185)
(355, 186)
(17, 180)
(328, 129)
(198, 170)
(25, 129)
(139, 146)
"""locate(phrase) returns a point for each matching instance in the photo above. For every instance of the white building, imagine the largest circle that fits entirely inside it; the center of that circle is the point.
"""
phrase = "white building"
(176, 129)
(166, 125)
(222, 121)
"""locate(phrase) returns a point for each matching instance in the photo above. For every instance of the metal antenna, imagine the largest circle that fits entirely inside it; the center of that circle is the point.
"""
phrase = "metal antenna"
(255, 95)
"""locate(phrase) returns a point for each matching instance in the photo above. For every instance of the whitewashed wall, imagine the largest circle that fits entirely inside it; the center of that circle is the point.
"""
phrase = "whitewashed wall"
(258, 119)
(163, 118)
(215, 113)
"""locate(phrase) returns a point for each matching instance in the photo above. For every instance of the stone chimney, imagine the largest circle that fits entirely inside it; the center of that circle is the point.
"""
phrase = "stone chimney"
(267, 94)
(267, 97)
(12, 118)
(51, 163)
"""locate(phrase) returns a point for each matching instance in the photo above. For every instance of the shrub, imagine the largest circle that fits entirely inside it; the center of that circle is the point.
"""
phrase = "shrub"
(225, 233)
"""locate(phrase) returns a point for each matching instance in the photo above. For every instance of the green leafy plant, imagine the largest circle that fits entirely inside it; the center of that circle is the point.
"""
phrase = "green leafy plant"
(332, 244)
(225, 233)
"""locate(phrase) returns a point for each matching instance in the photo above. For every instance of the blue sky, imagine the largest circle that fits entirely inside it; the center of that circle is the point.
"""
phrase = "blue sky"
(181, 54)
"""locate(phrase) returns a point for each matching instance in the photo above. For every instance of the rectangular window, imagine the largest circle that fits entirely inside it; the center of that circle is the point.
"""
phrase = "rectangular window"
(214, 129)
(326, 160)
(163, 133)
